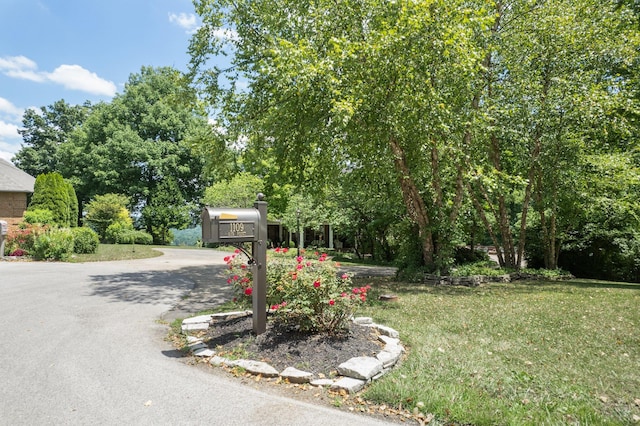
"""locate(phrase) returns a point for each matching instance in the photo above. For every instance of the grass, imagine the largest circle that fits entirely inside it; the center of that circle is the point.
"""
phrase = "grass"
(519, 353)
(108, 252)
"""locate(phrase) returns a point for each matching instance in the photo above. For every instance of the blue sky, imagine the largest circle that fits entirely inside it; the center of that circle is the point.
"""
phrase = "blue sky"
(80, 50)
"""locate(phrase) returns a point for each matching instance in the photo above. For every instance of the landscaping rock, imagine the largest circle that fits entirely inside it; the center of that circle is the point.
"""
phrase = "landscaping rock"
(349, 384)
(255, 367)
(205, 353)
(387, 331)
(362, 367)
(321, 382)
(296, 376)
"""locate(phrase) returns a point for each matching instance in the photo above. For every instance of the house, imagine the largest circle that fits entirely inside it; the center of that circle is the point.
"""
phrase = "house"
(15, 185)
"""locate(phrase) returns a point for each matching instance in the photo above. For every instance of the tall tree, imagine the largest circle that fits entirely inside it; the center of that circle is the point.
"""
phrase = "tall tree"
(43, 133)
(140, 141)
(377, 82)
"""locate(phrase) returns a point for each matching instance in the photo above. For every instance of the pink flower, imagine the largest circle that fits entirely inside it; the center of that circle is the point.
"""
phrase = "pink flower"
(236, 278)
(316, 284)
(227, 258)
(343, 294)
(284, 250)
(236, 251)
(277, 249)
(345, 276)
(229, 281)
(243, 266)
(299, 259)
(332, 302)
(248, 291)
(299, 267)
(356, 291)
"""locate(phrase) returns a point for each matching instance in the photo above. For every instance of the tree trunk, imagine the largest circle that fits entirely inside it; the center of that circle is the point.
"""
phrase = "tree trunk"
(413, 201)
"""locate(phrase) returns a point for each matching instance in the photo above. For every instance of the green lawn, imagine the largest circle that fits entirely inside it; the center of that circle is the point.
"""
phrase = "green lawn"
(521, 353)
(107, 252)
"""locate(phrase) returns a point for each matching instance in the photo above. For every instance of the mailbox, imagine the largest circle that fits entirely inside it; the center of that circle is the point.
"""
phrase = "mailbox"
(4, 227)
(220, 225)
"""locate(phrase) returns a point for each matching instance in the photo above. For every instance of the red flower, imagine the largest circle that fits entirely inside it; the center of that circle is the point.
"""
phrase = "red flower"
(294, 276)
(284, 250)
(332, 302)
(277, 249)
(248, 291)
(236, 251)
(299, 259)
(243, 266)
(299, 267)
(316, 284)
(227, 258)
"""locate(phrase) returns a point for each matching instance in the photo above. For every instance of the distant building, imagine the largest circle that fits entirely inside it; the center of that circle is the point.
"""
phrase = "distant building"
(15, 185)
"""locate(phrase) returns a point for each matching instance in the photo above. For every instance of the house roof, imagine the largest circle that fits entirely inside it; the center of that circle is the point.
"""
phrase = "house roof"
(12, 179)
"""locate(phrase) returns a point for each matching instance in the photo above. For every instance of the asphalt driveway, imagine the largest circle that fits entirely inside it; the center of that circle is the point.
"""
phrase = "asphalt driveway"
(82, 344)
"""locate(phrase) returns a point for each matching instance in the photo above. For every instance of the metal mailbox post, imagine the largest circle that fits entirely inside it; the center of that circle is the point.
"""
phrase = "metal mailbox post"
(4, 230)
(228, 226)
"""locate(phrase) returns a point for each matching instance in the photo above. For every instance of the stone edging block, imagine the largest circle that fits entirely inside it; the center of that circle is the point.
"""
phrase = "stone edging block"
(355, 373)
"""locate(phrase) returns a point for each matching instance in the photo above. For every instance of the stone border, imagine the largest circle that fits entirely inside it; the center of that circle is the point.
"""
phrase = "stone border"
(476, 280)
(354, 374)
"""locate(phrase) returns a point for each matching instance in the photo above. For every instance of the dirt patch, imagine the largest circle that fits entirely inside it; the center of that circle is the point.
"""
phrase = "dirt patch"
(281, 347)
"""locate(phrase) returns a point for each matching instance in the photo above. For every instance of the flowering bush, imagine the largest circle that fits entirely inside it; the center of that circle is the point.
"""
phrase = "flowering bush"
(304, 293)
(23, 238)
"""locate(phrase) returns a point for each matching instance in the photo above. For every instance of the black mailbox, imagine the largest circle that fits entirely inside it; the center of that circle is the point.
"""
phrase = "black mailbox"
(220, 225)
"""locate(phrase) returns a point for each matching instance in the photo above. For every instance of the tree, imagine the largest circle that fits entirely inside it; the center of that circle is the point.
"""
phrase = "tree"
(237, 192)
(51, 192)
(105, 210)
(168, 209)
(378, 82)
(547, 84)
(43, 133)
(138, 142)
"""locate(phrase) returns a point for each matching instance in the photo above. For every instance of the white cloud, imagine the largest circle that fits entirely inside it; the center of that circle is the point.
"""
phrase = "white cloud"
(72, 77)
(8, 130)
(225, 34)
(20, 67)
(187, 21)
(77, 78)
(10, 140)
(9, 109)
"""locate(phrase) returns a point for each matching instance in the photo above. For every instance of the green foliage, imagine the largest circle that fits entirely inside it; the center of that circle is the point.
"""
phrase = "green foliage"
(123, 233)
(41, 216)
(105, 210)
(142, 138)
(51, 193)
(238, 192)
(54, 244)
(73, 205)
(167, 209)
(85, 240)
(23, 238)
(305, 294)
(44, 131)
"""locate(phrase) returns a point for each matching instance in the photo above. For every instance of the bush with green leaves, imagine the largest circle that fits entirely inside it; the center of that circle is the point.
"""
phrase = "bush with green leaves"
(123, 233)
(106, 210)
(85, 240)
(304, 293)
(54, 244)
(39, 216)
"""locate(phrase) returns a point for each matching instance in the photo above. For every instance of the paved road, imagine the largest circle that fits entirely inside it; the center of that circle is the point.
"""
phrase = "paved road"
(81, 344)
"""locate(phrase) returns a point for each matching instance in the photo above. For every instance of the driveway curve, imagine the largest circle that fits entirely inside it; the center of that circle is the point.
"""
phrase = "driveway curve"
(82, 344)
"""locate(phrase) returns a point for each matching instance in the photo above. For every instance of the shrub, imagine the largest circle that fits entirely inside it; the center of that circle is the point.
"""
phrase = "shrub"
(23, 238)
(305, 294)
(123, 233)
(41, 216)
(52, 193)
(105, 210)
(85, 240)
(55, 244)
